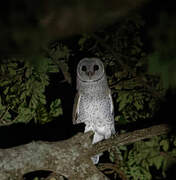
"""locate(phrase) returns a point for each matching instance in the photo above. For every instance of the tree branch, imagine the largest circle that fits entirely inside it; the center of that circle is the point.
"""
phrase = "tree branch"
(70, 158)
(128, 138)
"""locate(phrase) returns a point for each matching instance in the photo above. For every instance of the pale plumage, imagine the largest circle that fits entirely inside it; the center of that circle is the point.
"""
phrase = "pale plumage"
(93, 102)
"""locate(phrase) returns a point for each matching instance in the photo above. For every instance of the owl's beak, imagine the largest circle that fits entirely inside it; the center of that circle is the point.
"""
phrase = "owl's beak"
(90, 74)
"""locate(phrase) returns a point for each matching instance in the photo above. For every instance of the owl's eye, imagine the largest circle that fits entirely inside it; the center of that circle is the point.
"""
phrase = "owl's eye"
(83, 68)
(96, 67)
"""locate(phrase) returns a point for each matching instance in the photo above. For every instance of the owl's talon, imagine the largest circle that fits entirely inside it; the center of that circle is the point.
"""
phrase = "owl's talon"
(95, 159)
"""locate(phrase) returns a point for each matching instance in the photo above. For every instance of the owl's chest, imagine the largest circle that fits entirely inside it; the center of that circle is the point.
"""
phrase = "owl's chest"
(94, 106)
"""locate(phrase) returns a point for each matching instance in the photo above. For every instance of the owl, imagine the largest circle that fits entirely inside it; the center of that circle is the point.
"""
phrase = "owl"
(93, 102)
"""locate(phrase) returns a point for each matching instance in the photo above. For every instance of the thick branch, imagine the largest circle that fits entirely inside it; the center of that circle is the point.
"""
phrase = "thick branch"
(70, 158)
(64, 157)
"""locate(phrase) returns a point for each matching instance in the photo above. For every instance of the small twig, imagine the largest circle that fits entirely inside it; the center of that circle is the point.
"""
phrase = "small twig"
(165, 154)
(3, 114)
(114, 167)
(62, 67)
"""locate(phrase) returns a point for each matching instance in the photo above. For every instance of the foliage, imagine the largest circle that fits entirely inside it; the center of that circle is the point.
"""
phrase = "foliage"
(22, 87)
(145, 156)
(59, 53)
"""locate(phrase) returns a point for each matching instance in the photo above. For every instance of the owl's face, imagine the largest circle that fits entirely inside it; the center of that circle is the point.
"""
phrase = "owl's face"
(90, 69)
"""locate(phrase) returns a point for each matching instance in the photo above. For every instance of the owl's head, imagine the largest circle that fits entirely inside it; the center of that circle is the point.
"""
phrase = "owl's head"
(90, 69)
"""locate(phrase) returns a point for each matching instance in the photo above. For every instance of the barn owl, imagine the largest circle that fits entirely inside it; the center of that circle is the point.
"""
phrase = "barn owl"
(93, 102)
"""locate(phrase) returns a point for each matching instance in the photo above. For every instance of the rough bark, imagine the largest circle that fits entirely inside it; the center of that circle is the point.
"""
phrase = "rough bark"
(70, 158)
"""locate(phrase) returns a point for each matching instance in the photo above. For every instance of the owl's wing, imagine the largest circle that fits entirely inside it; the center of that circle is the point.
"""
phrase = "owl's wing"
(76, 109)
(111, 102)
(113, 131)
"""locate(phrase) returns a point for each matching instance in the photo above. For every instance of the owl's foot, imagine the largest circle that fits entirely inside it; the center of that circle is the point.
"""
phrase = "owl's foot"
(95, 159)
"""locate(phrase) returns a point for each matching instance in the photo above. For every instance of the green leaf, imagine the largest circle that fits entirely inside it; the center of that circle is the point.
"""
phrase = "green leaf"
(123, 97)
(123, 148)
(174, 152)
(53, 69)
(24, 115)
(157, 161)
(42, 116)
(6, 90)
(138, 105)
(12, 72)
(4, 83)
(7, 117)
(111, 156)
(55, 108)
(165, 144)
